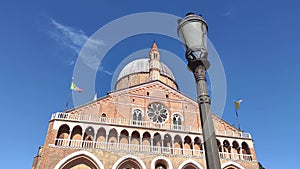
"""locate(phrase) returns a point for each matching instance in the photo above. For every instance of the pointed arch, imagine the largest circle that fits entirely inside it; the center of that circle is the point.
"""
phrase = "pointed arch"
(190, 161)
(231, 163)
(77, 157)
(128, 157)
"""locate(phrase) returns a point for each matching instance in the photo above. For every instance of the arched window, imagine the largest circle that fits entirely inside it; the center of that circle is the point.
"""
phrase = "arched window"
(135, 140)
(62, 135)
(178, 145)
(246, 152)
(167, 144)
(76, 137)
(198, 149)
(100, 138)
(146, 141)
(177, 121)
(88, 137)
(157, 141)
(188, 149)
(236, 150)
(226, 150)
(137, 116)
(112, 139)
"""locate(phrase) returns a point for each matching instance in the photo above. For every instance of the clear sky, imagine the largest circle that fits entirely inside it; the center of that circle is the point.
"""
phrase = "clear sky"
(258, 43)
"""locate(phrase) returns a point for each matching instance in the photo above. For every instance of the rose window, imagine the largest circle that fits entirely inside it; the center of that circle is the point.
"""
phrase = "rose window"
(157, 112)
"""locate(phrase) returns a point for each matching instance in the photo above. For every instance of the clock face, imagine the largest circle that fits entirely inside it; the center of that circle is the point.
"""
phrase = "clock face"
(157, 112)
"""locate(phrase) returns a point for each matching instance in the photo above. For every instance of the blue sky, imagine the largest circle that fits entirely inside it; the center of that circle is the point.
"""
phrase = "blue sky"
(258, 43)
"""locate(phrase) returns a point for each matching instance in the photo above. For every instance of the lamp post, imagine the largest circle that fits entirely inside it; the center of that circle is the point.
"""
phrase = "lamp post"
(192, 30)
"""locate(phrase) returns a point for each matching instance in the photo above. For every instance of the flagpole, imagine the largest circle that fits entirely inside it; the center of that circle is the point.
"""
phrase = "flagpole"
(69, 95)
(68, 99)
(73, 87)
(238, 120)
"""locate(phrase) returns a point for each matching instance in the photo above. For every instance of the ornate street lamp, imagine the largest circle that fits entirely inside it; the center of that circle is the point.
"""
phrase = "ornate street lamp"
(192, 30)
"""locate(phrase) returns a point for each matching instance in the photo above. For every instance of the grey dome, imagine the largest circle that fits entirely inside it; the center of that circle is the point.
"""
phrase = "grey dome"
(142, 66)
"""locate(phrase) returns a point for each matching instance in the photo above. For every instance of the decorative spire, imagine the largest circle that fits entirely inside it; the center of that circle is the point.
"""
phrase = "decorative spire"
(154, 46)
(154, 52)
(154, 66)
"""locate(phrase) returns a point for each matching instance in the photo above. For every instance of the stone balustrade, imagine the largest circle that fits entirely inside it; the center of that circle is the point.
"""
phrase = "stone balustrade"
(140, 124)
(146, 149)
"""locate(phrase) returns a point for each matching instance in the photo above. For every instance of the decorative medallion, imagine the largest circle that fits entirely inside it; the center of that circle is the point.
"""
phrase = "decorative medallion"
(157, 112)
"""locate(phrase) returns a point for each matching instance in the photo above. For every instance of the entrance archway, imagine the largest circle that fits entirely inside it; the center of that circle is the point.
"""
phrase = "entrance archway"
(80, 160)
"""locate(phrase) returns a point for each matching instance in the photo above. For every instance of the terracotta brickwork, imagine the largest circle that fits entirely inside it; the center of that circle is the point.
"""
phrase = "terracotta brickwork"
(145, 123)
(120, 104)
(108, 159)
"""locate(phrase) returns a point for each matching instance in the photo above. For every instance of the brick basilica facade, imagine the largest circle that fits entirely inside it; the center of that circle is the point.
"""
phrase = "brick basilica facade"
(145, 123)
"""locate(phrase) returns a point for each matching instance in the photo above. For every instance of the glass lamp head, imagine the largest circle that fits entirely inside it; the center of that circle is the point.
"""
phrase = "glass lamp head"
(192, 31)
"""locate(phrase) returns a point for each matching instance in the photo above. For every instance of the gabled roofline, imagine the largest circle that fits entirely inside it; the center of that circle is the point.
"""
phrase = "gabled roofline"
(144, 84)
(85, 104)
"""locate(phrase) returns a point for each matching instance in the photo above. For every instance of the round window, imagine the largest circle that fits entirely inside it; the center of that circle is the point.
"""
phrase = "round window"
(157, 112)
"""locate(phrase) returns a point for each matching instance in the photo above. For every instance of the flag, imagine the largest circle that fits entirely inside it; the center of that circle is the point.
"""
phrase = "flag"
(75, 88)
(237, 104)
